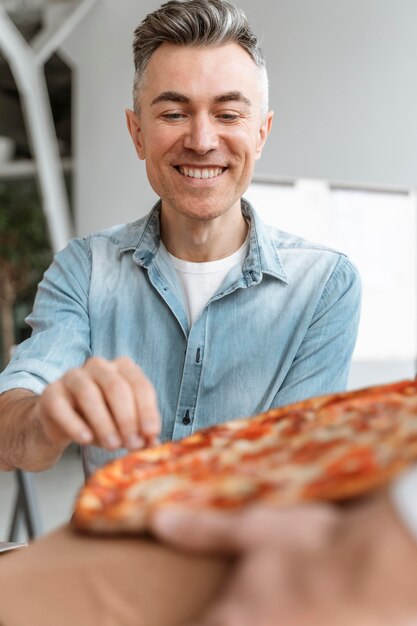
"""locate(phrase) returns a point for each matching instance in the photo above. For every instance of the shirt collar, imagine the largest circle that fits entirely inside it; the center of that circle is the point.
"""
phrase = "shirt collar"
(143, 238)
(263, 256)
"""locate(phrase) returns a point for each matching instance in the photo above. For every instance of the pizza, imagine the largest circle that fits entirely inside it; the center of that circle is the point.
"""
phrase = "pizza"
(329, 448)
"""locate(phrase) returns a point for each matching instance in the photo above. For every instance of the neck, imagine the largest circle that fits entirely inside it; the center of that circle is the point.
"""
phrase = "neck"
(201, 241)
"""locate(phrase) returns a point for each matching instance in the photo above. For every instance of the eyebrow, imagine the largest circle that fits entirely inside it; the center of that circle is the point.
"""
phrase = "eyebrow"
(233, 96)
(175, 96)
(170, 96)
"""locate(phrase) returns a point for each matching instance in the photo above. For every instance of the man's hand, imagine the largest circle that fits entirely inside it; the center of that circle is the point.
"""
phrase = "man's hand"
(105, 403)
(306, 527)
(268, 541)
(307, 566)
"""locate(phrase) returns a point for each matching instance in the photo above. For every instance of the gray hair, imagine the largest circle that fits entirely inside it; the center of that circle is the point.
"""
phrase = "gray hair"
(195, 23)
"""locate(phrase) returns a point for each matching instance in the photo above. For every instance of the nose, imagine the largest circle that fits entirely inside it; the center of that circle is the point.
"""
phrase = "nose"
(201, 135)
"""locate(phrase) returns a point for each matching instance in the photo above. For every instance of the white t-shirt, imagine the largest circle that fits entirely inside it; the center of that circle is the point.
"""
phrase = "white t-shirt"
(200, 281)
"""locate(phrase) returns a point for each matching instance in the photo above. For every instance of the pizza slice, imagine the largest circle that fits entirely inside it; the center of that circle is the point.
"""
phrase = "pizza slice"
(326, 448)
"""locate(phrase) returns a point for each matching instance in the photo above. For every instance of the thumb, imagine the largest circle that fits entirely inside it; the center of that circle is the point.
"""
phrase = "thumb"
(203, 531)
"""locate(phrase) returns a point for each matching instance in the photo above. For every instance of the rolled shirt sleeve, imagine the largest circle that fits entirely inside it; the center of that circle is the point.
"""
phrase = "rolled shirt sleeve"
(60, 324)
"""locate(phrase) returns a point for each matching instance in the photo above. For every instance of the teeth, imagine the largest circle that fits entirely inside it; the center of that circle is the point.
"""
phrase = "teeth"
(197, 173)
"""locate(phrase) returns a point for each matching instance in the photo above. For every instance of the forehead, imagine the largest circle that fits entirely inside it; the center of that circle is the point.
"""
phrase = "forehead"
(201, 72)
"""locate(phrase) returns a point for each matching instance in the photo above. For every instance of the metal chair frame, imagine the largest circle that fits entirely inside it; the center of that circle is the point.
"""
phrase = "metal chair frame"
(26, 508)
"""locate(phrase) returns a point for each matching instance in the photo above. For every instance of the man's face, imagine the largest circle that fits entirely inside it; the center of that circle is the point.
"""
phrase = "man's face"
(200, 127)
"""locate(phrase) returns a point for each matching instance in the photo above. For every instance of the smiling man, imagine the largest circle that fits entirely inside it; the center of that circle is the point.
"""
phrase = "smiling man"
(200, 126)
(198, 312)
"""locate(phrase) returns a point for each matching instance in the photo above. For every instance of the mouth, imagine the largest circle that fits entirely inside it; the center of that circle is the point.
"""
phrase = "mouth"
(200, 172)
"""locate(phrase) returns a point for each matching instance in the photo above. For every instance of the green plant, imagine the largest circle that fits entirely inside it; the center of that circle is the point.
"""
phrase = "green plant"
(25, 252)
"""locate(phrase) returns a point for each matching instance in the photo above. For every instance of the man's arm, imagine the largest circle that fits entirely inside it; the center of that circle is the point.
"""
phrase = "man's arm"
(55, 392)
(105, 403)
(23, 442)
(321, 364)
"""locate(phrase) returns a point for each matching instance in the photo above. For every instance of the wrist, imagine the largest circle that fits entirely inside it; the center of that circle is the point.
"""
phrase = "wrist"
(47, 439)
(24, 443)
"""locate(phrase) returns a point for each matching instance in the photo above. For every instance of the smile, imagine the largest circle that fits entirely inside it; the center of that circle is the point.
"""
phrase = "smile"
(194, 172)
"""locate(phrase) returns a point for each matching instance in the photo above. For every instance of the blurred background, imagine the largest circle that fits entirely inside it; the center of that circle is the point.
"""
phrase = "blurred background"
(340, 166)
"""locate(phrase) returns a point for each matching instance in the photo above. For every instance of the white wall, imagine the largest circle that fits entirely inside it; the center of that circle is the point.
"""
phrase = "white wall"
(110, 182)
(343, 87)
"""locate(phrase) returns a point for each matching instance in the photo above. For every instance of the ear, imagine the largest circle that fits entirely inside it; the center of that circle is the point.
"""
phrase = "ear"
(264, 131)
(134, 128)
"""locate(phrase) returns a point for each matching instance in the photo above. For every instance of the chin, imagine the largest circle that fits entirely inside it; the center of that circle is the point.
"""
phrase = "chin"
(205, 214)
(205, 210)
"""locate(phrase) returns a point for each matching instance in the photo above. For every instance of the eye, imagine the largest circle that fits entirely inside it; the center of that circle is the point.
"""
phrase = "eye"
(228, 117)
(173, 117)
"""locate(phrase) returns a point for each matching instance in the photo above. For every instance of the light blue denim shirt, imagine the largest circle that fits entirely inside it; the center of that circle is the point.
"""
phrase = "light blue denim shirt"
(279, 329)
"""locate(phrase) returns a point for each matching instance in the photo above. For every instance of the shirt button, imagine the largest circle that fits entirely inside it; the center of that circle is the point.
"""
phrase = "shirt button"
(186, 419)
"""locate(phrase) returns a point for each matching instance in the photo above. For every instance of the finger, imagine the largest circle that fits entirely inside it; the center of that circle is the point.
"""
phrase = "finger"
(58, 417)
(131, 399)
(89, 401)
(144, 396)
(120, 398)
(192, 530)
